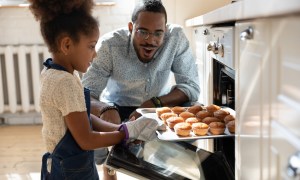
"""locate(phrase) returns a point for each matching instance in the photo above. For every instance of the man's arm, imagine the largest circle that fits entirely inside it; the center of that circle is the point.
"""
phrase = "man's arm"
(100, 109)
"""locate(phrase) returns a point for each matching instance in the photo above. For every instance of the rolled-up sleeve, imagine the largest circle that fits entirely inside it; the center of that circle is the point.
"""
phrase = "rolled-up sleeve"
(185, 69)
(99, 72)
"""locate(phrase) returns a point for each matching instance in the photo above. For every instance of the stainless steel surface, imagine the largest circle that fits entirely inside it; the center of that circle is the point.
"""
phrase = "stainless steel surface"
(221, 46)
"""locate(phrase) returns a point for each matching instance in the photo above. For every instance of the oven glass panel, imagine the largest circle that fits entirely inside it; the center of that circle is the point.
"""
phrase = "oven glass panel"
(223, 85)
(169, 160)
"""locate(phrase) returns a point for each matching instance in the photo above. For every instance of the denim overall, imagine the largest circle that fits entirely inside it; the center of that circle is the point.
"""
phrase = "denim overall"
(69, 161)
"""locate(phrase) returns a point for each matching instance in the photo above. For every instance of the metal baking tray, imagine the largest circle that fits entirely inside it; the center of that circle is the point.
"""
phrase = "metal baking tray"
(169, 134)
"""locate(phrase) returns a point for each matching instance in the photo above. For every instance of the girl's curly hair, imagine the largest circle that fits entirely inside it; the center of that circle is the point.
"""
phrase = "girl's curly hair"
(63, 16)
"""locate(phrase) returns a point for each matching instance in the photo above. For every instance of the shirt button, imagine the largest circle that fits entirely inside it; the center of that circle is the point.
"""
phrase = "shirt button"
(145, 65)
(147, 94)
(148, 80)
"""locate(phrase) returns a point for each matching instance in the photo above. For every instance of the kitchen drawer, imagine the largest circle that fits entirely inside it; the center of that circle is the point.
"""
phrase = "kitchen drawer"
(284, 145)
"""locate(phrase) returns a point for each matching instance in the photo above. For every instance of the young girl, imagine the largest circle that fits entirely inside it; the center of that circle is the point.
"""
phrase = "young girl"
(69, 130)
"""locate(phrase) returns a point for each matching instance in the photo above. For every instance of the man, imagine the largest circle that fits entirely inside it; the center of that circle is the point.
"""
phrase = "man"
(134, 64)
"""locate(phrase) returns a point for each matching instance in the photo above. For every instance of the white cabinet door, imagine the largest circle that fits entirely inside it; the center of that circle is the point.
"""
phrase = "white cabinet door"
(252, 99)
(285, 109)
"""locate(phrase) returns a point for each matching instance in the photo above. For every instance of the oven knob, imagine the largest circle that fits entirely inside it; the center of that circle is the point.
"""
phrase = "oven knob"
(205, 32)
(220, 50)
(211, 47)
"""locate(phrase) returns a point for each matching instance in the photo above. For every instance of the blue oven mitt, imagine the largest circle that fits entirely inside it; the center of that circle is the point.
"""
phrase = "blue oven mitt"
(143, 128)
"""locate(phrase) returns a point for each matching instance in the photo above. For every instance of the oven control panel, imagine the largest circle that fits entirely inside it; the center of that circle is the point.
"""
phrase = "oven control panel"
(221, 46)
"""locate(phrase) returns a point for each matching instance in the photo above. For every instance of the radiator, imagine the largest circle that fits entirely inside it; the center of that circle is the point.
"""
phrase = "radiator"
(20, 68)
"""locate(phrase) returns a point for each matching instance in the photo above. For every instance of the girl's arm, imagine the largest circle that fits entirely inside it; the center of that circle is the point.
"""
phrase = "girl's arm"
(86, 138)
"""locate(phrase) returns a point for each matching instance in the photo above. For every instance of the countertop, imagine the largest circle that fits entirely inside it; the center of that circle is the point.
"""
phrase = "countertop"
(246, 9)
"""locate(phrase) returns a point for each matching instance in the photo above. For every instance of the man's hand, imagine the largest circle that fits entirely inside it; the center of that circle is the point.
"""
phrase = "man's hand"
(134, 115)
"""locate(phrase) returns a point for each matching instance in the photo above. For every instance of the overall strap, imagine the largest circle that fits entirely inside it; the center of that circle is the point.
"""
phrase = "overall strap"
(49, 64)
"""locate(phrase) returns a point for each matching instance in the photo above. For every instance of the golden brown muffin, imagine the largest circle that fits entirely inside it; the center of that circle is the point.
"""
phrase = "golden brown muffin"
(229, 118)
(167, 115)
(194, 109)
(231, 126)
(174, 120)
(200, 129)
(182, 129)
(160, 111)
(203, 114)
(212, 108)
(177, 109)
(186, 115)
(221, 114)
(209, 120)
(217, 128)
(192, 120)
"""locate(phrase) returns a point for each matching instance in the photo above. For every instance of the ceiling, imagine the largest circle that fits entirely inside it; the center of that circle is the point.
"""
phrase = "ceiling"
(21, 3)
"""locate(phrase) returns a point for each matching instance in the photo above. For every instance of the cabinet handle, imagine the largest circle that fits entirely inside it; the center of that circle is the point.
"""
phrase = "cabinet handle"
(293, 169)
(247, 34)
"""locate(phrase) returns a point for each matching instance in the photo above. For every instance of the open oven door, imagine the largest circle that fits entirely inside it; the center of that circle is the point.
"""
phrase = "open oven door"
(168, 160)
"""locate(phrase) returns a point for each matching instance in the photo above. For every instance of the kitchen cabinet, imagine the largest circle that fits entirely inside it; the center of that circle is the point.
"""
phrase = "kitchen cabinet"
(252, 98)
(285, 98)
(268, 96)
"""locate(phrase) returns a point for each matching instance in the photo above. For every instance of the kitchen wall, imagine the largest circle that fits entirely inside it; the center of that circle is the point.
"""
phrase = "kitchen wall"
(18, 26)
(181, 10)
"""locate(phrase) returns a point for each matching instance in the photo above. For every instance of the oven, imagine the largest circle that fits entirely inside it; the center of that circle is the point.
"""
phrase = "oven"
(220, 51)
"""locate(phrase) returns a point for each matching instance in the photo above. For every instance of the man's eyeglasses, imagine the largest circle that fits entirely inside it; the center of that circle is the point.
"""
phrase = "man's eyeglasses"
(145, 34)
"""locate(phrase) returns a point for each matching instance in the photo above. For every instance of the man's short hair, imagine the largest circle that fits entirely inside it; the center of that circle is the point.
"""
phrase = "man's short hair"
(148, 6)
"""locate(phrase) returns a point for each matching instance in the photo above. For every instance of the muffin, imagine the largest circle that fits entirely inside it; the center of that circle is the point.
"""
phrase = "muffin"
(229, 118)
(194, 109)
(174, 120)
(209, 120)
(231, 126)
(221, 114)
(186, 115)
(192, 120)
(167, 115)
(160, 111)
(212, 108)
(182, 129)
(203, 114)
(200, 129)
(177, 109)
(217, 128)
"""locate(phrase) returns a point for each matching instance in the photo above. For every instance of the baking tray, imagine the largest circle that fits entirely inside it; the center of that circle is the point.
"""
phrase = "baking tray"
(170, 135)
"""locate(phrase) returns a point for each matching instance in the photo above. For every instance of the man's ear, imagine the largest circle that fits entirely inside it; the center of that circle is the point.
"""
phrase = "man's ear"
(65, 45)
(130, 27)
